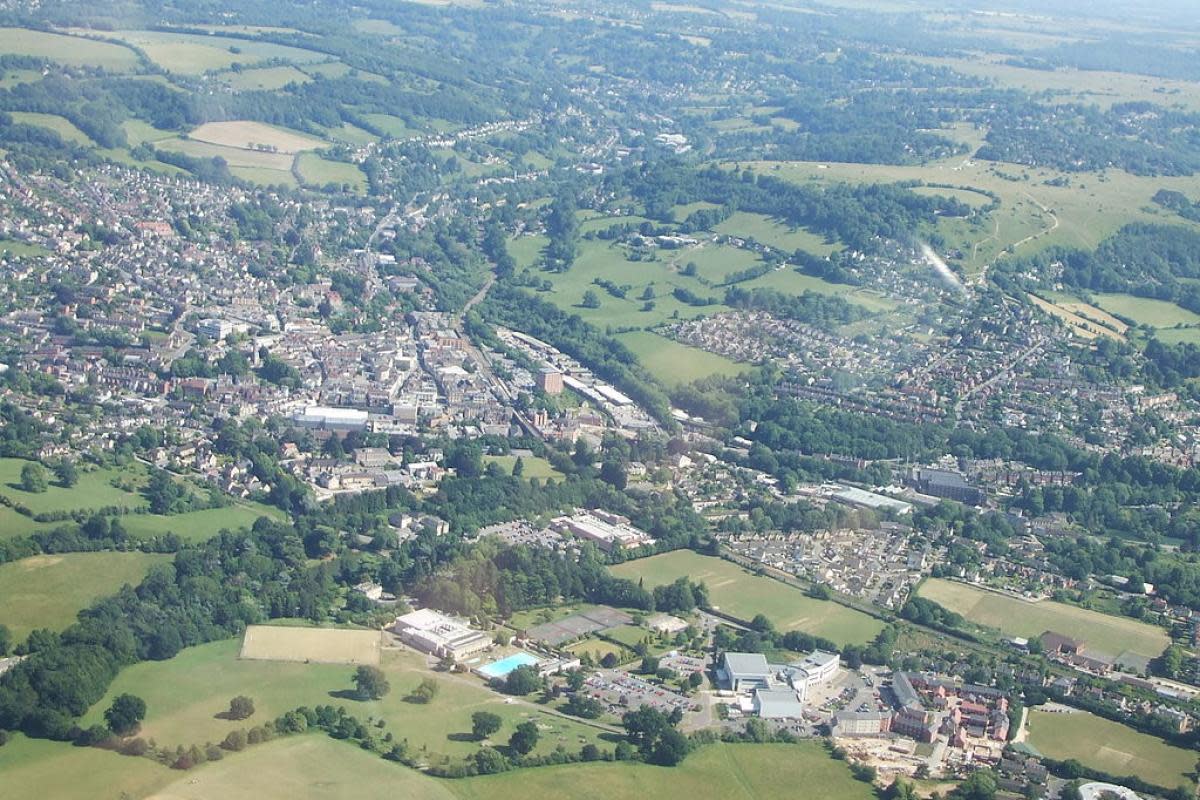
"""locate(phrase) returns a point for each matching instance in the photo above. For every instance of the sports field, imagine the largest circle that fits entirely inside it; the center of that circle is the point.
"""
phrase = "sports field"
(1113, 636)
(532, 466)
(1108, 746)
(311, 645)
(743, 595)
(48, 591)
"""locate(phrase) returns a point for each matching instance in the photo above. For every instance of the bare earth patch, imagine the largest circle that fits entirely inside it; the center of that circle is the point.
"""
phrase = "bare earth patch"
(315, 645)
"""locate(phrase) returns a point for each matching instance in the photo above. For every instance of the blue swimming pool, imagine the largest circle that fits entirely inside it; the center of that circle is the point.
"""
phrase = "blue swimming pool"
(501, 668)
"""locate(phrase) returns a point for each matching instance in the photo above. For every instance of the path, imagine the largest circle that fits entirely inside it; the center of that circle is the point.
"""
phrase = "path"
(1045, 210)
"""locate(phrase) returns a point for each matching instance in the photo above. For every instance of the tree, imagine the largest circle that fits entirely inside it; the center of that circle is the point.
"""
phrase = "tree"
(580, 705)
(371, 683)
(484, 724)
(522, 681)
(489, 761)
(33, 478)
(613, 473)
(590, 299)
(66, 473)
(426, 690)
(5, 640)
(241, 707)
(235, 741)
(518, 468)
(671, 748)
(524, 738)
(649, 665)
(125, 714)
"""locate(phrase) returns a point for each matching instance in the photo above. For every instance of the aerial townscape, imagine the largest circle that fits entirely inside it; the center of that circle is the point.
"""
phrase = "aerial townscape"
(682, 399)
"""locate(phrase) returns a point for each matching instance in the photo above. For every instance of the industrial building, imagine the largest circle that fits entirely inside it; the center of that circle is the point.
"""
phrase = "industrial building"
(609, 531)
(332, 419)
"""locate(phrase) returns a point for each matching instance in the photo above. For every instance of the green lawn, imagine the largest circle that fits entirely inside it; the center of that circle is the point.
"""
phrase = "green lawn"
(60, 125)
(673, 363)
(138, 132)
(534, 467)
(394, 127)
(72, 50)
(1113, 748)
(94, 490)
(48, 591)
(267, 78)
(763, 229)
(39, 768)
(194, 54)
(743, 595)
(1110, 635)
(13, 524)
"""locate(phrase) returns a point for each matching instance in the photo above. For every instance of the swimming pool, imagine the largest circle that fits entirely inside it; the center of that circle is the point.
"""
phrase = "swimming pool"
(501, 668)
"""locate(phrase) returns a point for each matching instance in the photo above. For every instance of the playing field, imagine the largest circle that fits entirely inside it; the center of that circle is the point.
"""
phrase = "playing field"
(48, 591)
(311, 645)
(94, 489)
(743, 595)
(532, 466)
(673, 363)
(1108, 746)
(1113, 636)
(247, 135)
(72, 50)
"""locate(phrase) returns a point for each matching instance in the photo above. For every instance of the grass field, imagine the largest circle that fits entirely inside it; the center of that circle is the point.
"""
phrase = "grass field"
(673, 363)
(266, 78)
(195, 526)
(1111, 747)
(317, 171)
(1145, 311)
(349, 134)
(742, 594)
(40, 768)
(13, 524)
(48, 591)
(534, 467)
(193, 54)
(394, 127)
(1110, 635)
(236, 157)
(94, 490)
(247, 135)
(60, 125)
(72, 50)
(597, 649)
(765, 230)
(1083, 324)
(311, 645)
(138, 132)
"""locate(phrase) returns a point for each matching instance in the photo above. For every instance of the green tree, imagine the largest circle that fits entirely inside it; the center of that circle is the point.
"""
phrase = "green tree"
(524, 738)
(484, 724)
(241, 707)
(489, 761)
(590, 299)
(33, 478)
(426, 690)
(522, 681)
(66, 473)
(371, 683)
(5, 640)
(125, 714)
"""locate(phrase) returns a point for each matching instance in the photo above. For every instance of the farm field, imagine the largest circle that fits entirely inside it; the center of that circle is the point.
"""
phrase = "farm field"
(742, 594)
(93, 491)
(246, 135)
(48, 591)
(673, 363)
(534, 467)
(236, 157)
(1147, 311)
(193, 54)
(266, 78)
(394, 127)
(195, 526)
(317, 171)
(349, 134)
(74, 51)
(138, 132)
(1111, 747)
(1082, 323)
(311, 645)
(1114, 636)
(60, 125)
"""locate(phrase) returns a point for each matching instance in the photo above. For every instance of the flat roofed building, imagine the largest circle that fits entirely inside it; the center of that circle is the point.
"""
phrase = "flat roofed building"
(609, 531)
(440, 635)
(778, 704)
(550, 381)
(861, 723)
(819, 665)
(745, 672)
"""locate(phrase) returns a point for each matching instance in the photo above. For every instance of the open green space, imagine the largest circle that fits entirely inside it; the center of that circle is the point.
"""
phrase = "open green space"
(93, 491)
(763, 229)
(74, 51)
(266, 78)
(673, 363)
(742, 594)
(60, 125)
(1110, 747)
(789, 281)
(138, 132)
(533, 466)
(235, 156)
(1147, 311)
(185, 694)
(394, 127)
(194, 54)
(11, 248)
(317, 171)
(15, 77)
(1012, 616)
(40, 768)
(349, 134)
(198, 525)
(13, 524)
(48, 591)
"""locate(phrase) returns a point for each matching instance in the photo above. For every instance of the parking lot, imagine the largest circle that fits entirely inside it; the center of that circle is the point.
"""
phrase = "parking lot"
(620, 692)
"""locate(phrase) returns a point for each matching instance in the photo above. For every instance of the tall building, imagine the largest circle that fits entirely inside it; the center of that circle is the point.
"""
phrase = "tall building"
(550, 381)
